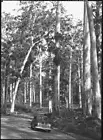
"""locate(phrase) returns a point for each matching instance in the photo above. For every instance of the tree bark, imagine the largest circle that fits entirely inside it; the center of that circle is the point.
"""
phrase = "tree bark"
(3, 94)
(79, 81)
(19, 79)
(87, 67)
(81, 75)
(27, 88)
(83, 92)
(6, 89)
(94, 65)
(67, 97)
(70, 69)
(40, 63)
(11, 92)
(3, 89)
(25, 92)
(55, 104)
(13, 88)
(97, 28)
(57, 76)
(31, 84)
(50, 105)
(58, 86)
(33, 93)
(98, 37)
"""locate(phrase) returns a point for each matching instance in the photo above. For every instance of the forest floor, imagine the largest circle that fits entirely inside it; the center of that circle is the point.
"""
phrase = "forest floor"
(16, 127)
(67, 125)
(74, 122)
(13, 127)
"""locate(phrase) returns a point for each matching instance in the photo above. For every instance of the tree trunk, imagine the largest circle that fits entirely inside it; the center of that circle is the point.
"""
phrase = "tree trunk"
(87, 66)
(18, 81)
(11, 92)
(50, 105)
(31, 84)
(8, 83)
(13, 88)
(3, 94)
(97, 28)
(27, 88)
(3, 89)
(40, 63)
(24, 91)
(70, 69)
(67, 97)
(5, 104)
(6, 89)
(50, 86)
(94, 65)
(79, 81)
(57, 76)
(83, 90)
(58, 86)
(98, 37)
(81, 75)
(33, 93)
(55, 103)
(14, 96)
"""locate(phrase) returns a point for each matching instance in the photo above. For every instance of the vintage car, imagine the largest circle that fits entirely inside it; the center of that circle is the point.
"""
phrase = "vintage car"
(41, 122)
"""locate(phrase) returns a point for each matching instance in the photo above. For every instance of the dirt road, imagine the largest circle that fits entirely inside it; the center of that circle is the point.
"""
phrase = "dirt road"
(19, 128)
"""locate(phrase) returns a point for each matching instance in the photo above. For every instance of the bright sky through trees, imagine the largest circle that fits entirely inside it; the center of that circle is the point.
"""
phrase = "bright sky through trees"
(73, 7)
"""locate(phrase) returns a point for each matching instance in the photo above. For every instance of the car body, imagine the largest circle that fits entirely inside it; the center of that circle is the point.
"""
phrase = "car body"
(41, 122)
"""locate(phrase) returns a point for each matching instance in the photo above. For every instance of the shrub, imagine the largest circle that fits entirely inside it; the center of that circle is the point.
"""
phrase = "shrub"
(22, 108)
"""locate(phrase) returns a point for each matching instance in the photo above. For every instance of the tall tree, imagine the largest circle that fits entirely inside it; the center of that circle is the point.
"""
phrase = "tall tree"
(31, 74)
(57, 78)
(25, 93)
(79, 82)
(86, 66)
(40, 64)
(70, 70)
(81, 75)
(6, 89)
(94, 64)
(19, 79)
(98, 32)
(33, 93)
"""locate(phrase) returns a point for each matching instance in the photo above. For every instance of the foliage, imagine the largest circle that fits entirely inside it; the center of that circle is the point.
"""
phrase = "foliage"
(74, 121)
(37, 23)
(23, 29)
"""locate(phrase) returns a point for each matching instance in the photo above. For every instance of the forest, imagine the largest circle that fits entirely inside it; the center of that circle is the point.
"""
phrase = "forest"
(50, 63)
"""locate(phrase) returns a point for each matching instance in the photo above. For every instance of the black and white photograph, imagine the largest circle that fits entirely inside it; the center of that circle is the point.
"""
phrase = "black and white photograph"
(51, 68)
